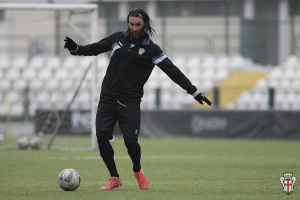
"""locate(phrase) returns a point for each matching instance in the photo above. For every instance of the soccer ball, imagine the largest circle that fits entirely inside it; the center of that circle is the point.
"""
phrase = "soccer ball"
(35, 143)
(23, 142)
(69, 179)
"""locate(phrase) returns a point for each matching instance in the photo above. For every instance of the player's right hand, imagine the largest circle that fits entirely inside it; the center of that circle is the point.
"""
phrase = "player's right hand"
(70, 44)
(200, 98)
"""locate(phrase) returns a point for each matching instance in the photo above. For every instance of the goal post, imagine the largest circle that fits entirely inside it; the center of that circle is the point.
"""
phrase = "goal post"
(92, 9)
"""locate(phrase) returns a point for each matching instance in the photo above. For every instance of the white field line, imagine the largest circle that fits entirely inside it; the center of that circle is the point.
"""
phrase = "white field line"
(116, 157)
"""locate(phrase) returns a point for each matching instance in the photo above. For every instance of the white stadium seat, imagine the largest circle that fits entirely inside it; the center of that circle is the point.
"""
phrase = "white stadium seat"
(291, 62)
(29, 74)
(13, 74)
(45, 74)
(67, 84)
(51, 85)
(4, 109)
(223, 62)
(17, 109)
(193, 63)
(37, 62)
(71, 62)
(36, 85)
(42, 97)
(102, 62)
(5, 62)
(53, 62)
(19, 62)
(5, 84)
(62, 74)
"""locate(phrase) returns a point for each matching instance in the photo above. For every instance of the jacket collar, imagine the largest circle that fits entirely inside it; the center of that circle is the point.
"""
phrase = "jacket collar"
(145, 40)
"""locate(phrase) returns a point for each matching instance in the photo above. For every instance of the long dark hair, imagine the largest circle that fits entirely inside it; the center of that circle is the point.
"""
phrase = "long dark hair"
(148, 24)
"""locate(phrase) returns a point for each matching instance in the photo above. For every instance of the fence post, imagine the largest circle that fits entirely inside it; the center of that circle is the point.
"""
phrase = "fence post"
(157, 99)
(216, 97)
(271, 97)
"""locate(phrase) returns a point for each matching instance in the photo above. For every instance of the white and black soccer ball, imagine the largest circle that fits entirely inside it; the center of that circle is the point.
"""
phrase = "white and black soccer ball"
(23, 143)
(35, 143)
(69, 179)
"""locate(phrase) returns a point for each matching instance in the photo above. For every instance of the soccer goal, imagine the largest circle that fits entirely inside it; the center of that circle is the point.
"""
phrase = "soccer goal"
(35, 61)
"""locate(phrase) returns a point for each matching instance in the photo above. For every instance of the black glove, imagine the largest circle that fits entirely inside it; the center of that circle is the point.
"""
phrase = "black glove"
(70, 44)
(200, 97)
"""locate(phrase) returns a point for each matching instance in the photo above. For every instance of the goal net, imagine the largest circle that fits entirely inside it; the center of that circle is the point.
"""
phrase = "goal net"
(40, 81)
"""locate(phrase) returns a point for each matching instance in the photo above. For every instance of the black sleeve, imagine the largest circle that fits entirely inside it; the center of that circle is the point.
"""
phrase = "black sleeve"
(176, 75)
(97, 48)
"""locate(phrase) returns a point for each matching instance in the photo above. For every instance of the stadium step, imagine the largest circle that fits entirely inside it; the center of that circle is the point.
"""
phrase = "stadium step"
(232, 87)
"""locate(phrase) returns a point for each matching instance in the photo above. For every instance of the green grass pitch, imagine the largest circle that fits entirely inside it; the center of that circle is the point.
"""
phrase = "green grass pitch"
(176, 168)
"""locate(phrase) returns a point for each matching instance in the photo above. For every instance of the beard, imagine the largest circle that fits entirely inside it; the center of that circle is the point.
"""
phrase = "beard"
(136, 35)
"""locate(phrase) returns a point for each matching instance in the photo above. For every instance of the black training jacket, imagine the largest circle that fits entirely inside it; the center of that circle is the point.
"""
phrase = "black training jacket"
(130, 66)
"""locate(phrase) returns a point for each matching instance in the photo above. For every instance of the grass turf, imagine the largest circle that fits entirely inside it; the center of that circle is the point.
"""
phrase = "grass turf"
(176, 169)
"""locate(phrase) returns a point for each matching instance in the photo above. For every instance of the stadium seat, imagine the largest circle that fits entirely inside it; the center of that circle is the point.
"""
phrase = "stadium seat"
(37, 62)
(151, 85)
(208, 74)
(208, 62)
(273, 83)
(45, 74)
(19, 62)
(259, 97)
(297, 74)
(288, 74)
(83, 97)
(291, 97)
(221, 74)
(29, 74)
(61, 74)
(167, 85)
(51, 85)
(19, 84)
(77, 74)
(1, 74)
(261, 84)
(102, 62)
(193, 63)
(5, 62)
(223, 63)
(42, 97)
(17, 109)
(194, 75)
(5, 84)
(55, 97)
(84, 62)
(180, 99)
(276, 74)
(180, 61)
(67, 85)
(284, 85)
(291, 62)
(206, 85)
(245, 97)
(295, 85)
(279, 99)
(237, 62)
(53, 62)
(36, 85)
(13, 74)
(70, 62)
(166, 99)
(241, 105)
(4, 109)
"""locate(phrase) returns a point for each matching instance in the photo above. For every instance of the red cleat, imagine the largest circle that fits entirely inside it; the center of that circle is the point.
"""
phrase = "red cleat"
(112, 183)
(142, 179)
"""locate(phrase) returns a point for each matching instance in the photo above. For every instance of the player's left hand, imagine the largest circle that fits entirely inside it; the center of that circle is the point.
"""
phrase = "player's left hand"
(200, 97)
(70, 44)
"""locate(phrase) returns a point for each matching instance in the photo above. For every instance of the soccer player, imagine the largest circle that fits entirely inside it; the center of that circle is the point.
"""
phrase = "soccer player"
(133, 57)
